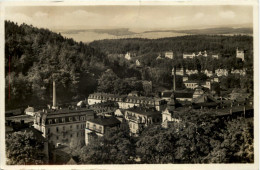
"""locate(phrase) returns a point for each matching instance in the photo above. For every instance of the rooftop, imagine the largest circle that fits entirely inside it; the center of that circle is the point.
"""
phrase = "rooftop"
(144, 111)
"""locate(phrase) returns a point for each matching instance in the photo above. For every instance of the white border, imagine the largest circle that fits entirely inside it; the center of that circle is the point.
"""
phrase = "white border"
(136, 3)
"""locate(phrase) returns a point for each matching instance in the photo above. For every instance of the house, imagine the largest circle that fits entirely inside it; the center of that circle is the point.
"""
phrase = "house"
(215, 78)
(138, 118)
(189, 72)
(215, 56)
(208, 73)
(159, 57)
(198, 92)
(191, 84)
(221, 72)
(137, 63)
(204, 54)
(187, 55)
(169, 54)
(185, 77)
(205, 101)
(180, 71)
(240, 54)
(99, 126)
(29, 111)
(206, 84)
(128, 56)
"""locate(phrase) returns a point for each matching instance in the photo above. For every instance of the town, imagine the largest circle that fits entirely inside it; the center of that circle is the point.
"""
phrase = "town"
(61, 127)
(151, 90)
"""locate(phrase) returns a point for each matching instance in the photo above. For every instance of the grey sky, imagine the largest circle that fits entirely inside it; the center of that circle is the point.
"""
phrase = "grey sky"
(152, 17)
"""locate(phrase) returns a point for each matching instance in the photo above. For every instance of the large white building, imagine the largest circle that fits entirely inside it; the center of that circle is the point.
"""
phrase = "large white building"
(126, 102)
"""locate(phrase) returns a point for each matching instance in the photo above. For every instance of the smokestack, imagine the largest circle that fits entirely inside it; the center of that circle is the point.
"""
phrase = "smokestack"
(174, 78)
(54, 95)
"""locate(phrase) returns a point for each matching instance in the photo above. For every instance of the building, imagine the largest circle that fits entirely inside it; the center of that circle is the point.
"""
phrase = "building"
(215, 78)
(29, 111)
(185, 77)
(191, 84)
(179, 95)
(98, 127)
(204, 54)
(169, 54)
(240, 54)
(189, 72)
(208, 73)
(198, 92)
(137, 63)
(180, 71)
(138, 118)
(168, 116)
(159, 57)
(104, 108)
(126, 102)
(64, 126)
(187, 55)
(128, 56)
(215, 56)
(221, 72)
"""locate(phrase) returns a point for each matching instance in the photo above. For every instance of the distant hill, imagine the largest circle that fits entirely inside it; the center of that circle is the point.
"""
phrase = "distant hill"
(88, 35)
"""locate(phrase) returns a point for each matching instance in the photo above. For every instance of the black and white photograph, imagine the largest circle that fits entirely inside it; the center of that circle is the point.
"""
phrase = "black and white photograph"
(130, 83)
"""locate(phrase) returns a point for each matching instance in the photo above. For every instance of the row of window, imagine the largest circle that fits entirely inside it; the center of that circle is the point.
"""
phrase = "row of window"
(66, 119)
(71, 135)
(58, 129)
(95, 127)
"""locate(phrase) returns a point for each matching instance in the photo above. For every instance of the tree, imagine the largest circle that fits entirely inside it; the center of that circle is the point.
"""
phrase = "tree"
(23, 148)
(115, 147)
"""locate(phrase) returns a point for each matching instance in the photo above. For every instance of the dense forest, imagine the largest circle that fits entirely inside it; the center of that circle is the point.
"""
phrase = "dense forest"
(39, 56)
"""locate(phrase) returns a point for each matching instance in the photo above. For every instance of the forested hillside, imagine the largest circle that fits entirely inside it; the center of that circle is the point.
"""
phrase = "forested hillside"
(38, 56)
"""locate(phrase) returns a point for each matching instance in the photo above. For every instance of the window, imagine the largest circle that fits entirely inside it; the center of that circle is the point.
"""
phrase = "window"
(71, 135)
(57, 129)
(77, 126)
(82, 117)
(49, 130)
(56, 121)
(77, 118)
(100, 128)
(88, 125)
(50, 121)
(63, 120)
(94, 127)
(57, 137)
(70, 126)
(77, 134)
(70, 119)
(63, 127)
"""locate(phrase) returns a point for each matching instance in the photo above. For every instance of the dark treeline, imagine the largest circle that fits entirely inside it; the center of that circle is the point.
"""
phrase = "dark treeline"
(38, 56)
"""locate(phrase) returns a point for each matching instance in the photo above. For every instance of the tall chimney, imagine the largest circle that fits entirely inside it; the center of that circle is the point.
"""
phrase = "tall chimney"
(54, 95)
(174, 77)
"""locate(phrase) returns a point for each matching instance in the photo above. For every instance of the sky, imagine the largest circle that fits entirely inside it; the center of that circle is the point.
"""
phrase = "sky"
(134, 17)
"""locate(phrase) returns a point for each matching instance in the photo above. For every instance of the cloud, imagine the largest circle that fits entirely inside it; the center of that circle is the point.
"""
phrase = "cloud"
(227, 14)
(20, 18)
(40, 14)
(199, 15)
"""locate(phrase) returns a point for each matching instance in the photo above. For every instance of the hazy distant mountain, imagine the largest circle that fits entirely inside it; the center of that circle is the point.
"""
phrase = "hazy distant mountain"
(89, 35)
(220, 30)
